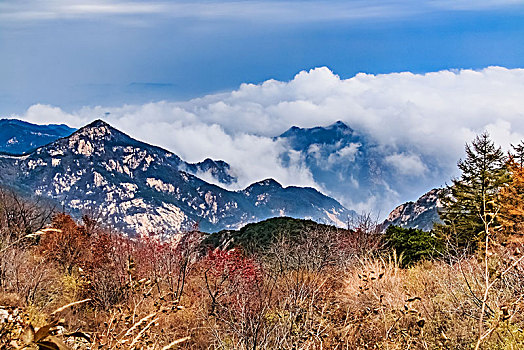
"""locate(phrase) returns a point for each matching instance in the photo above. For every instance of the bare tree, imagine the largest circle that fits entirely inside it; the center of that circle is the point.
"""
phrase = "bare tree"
(20, 218)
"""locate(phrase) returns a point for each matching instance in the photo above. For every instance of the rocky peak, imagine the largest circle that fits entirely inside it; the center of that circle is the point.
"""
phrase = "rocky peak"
(264, 186)
(99, 138)
(421, 214)
(340, 125)
(98, 129)
(217, 169)
(267, 183)
(208, 162)
(337, 132)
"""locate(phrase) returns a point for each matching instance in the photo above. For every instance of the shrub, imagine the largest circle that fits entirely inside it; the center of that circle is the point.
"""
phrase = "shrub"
(67, 245)
(411, 244)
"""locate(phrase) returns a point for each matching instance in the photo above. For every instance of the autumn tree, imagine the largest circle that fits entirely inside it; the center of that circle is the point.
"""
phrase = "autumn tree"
(20, 219)
(169, 259)
(471, 203)
(239, 296)
(512, 196)
(517, 156)
(67, 245)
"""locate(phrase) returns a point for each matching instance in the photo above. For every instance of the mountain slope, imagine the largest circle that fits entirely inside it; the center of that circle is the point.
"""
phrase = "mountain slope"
(259, 235)
(140, 188)
(18, 137)
(421, 214)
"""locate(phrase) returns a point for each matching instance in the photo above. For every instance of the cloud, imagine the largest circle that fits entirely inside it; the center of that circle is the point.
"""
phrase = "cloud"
(262, 10)
(346, 154)
(419, 122)
(407, 164)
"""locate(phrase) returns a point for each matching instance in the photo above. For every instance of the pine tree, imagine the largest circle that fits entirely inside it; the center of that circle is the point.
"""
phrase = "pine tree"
(518, 154)
(471, 204)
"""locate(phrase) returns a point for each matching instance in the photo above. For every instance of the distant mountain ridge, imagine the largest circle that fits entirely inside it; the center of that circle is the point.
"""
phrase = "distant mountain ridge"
(19, 137)
(343, 162)
(363, 173)
(141, 188)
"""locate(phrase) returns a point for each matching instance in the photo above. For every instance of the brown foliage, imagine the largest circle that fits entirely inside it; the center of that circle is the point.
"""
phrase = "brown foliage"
(512, 198)
(67, 245)
(20, 218)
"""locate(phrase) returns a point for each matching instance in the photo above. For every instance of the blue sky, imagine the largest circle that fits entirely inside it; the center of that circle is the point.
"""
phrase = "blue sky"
(86, 53)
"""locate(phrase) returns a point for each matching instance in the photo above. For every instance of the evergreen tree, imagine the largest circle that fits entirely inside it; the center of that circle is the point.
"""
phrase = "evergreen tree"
(412, 244)
(518, 154)
(471, 203)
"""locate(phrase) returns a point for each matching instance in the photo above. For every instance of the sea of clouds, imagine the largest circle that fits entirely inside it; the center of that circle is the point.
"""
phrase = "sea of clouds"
(420, 121)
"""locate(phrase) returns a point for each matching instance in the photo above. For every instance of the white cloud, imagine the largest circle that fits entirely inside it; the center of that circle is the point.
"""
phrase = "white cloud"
(407, 164)
(411, 117)
(346, 154)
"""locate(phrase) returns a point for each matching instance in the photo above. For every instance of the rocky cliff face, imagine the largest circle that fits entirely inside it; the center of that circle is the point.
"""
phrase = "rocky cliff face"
(141, 188)
(421, 214)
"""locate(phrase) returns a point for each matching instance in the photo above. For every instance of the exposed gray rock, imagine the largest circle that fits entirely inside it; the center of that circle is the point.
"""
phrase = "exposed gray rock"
(421, 214)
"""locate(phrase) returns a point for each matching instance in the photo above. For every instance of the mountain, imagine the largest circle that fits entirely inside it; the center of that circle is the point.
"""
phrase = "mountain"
(356, 169)
(345, 164)
(216, 170)
(140, 188)
(18, 137)
(342, 161)
(421, 214)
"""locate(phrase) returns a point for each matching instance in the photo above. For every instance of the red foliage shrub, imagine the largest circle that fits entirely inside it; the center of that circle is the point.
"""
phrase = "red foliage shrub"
(232, 280)
(234, 266)
(167, 260)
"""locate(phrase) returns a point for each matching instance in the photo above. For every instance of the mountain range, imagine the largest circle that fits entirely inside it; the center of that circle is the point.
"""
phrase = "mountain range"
(344, 164)
(332, 152)
(18, 137)
(142, 188)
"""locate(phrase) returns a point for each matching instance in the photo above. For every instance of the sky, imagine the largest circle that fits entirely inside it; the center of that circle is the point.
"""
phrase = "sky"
(75, 53)
(220, 79)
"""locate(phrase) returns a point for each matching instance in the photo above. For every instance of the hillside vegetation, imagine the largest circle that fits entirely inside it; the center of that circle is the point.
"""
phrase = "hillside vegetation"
(279, 284)
(256, 237)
